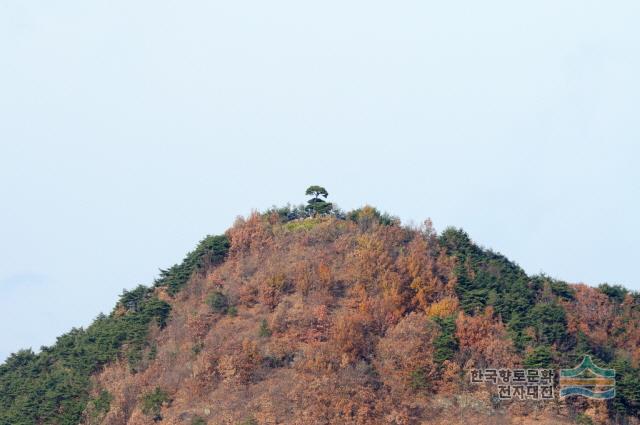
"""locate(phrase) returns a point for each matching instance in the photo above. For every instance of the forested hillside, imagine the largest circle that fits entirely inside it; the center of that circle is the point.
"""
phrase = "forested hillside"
(310, 315)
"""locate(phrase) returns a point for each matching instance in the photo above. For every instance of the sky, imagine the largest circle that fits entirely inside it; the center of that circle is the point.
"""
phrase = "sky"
(130, 130)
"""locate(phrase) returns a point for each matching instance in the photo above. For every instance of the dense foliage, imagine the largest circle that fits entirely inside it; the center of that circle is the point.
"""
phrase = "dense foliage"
(535, 309)
(53, 386)
(446, 344)
(210, 251)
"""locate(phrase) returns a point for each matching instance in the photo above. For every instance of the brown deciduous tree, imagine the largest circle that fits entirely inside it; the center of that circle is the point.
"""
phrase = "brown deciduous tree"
(484, 341)
(405, 354)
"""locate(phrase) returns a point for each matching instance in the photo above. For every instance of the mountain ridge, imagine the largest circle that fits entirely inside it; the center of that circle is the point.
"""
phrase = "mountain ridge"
(307, 316)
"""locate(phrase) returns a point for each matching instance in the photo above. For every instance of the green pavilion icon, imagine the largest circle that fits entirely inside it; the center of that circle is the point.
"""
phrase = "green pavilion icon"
(588, 380)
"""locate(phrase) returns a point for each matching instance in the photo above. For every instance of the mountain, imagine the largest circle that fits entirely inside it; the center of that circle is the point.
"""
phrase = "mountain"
(316, 316)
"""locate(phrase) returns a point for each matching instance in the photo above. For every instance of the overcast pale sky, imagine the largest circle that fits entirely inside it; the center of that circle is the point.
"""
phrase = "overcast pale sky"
(129, 130)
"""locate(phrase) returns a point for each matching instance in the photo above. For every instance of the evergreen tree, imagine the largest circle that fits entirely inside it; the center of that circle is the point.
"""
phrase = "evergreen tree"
(317, 205)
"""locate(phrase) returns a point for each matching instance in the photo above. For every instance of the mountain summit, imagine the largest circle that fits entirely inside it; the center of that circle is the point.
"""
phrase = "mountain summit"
(310, 315)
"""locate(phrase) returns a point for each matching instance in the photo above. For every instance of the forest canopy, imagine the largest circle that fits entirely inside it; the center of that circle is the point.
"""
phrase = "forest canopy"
(314, 297)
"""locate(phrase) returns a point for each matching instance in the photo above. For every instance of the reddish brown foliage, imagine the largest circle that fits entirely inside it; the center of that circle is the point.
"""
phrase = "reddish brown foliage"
(407, 350)
(591, 313)
(349, 308)
(484, 341)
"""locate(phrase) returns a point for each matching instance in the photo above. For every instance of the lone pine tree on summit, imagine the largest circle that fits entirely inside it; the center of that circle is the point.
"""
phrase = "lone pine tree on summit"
(316, 205)
(317, 192)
